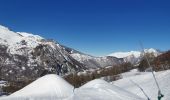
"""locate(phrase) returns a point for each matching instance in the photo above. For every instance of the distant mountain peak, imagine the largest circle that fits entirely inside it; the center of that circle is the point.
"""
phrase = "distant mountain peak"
(125, 54)
(134, 56)
(134, 53)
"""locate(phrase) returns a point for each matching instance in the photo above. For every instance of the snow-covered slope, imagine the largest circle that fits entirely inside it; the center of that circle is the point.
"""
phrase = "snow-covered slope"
(27, 56)
(101, 90)
(134, 56)
(125, 54)
(92, 61)
(146, 81)
(52, 87)
(9, 36)
(96, 62)
(112, 59)
(13, 38)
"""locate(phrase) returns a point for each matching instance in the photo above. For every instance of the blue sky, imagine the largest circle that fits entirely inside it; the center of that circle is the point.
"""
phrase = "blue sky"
(96, 27)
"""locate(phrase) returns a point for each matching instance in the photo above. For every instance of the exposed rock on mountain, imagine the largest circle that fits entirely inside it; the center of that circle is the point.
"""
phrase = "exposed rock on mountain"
(94, 62)
(25, 56)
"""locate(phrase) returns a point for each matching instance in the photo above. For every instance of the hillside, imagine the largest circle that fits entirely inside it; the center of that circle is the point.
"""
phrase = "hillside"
(146, 81)
(24, 56)
(53, 87)
(134, 57)
(93, 62)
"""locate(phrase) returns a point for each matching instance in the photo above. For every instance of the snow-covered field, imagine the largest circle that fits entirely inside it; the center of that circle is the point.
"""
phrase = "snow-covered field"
(146, 81)
(53, 87)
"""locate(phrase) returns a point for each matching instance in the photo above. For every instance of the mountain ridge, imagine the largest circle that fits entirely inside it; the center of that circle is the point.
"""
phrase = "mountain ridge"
(28, 55)
(135, 56)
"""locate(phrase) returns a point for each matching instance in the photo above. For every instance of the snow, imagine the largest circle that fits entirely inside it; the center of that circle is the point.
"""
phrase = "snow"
(125, 54)
(53, 87)
(81, 57)
(101, 90)
(151, 50)
(146, 81)
(18, 40)
(85, 57)
(30, 35)
(14, 38)
(132, 73)
(9, 36)
(136, 54)
(95, 62)
(2, 83)
(49, 86)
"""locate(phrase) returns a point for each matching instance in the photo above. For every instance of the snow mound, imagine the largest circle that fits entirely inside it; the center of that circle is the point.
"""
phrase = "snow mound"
(52, 87)
(49, 86)
(101, 90)
(94, 83)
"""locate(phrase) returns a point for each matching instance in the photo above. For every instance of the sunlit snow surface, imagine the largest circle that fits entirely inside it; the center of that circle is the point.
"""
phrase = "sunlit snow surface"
(146, 81)
(14, 40)
(136, 54)
(48, 87)
(53, 87)
(101, 90)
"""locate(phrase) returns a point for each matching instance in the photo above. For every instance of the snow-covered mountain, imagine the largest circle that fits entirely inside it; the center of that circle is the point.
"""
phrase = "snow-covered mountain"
(134, 56)
(26, 56)
(125, 54)
(96, 62)
(112, 59)
(92, 61)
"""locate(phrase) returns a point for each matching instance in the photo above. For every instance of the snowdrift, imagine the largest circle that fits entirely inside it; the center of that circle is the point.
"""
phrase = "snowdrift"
(49, 87)
(53, 87)
(101, 90)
